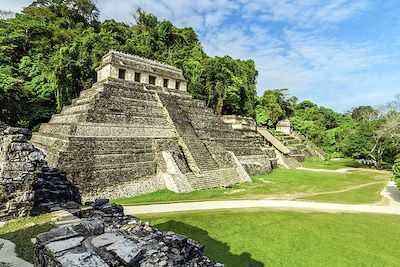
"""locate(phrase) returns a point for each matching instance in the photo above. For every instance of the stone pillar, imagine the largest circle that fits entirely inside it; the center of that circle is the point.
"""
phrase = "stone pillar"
(159, 81)
(171, 84)
(183, 86)
(130, 75)
(113, 71)
(285, 126)
(144, 78)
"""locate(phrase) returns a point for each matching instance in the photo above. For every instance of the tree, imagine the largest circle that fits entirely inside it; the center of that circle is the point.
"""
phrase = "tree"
(49, 52)
(364, 113)
(277, 106)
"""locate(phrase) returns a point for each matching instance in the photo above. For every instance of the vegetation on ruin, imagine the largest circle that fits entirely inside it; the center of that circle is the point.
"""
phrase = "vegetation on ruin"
(261, 237)
(358, 186)
(396, 172)
(20, 231)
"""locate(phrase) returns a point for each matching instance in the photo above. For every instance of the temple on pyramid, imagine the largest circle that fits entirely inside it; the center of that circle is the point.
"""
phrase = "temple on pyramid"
(138, 130)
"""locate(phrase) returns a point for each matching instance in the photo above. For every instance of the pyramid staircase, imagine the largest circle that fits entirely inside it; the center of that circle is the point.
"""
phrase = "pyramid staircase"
(220, 137)
(212, 167)
(298, 150)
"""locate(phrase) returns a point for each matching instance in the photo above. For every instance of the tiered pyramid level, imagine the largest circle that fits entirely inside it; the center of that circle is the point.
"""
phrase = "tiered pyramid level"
(123, 138)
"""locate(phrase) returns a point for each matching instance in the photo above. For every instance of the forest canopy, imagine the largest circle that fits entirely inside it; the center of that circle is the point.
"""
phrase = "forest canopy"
(49, 52)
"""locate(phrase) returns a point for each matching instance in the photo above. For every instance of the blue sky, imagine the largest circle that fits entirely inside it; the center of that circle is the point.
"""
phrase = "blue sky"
(337, 53)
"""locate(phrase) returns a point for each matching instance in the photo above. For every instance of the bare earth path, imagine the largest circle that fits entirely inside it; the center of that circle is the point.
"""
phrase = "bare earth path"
(303, 195)
(390, 192)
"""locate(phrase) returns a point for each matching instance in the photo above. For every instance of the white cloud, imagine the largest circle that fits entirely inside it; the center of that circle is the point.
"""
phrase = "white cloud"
(290, 41)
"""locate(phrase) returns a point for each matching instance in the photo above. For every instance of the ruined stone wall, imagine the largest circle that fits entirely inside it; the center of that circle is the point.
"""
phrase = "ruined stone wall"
(27, 184)
(105, 237)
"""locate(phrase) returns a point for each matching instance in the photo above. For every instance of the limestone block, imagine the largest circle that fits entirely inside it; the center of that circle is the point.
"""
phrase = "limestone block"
(171, 83)
(159, 81)
(144, 78)
(65, 244)
(82, 259)
(126, 250)
(93, 225)
(105, 239)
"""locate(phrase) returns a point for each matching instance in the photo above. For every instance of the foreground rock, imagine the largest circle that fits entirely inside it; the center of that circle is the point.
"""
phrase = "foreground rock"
(27, 184)
(109, 238)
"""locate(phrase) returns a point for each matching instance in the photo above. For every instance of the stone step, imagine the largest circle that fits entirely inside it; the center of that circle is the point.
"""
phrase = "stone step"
(298, 146)
(115, 159)
(109, 176)
(290, 142)
(298, 157)
(123, 130)
(122, 118)
(91, 92)
(69, 118)
(49, 140)
(202, 116)
(125, 101)
(236, 141)
(217, 178)
(63, 129)
(137, 94)
(94, 167)
(100, 144)
(75, 109)
(207, 125)
(215, 133)
(100, 160)
(246, 151)
(83, 100)
(196, 110)
(135, 109)
(190, 102)
(288, 137)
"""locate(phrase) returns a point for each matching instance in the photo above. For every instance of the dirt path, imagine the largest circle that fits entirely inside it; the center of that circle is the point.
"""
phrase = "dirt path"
(304, 195)
(390, 192)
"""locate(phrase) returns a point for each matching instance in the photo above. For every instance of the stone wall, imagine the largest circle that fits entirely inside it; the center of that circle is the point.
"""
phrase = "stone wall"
(106, 237)
(27, 184)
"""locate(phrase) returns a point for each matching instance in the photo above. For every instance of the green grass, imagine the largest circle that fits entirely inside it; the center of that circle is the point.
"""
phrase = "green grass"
(279, 182)
(367, 194)
(283, 238)
(315, 163)
(22, 230)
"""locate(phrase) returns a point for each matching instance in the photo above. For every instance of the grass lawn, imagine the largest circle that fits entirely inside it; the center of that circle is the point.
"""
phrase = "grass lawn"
(334, 164)
(282, 182)
(21, 231)
(367, 194)
(283, 238)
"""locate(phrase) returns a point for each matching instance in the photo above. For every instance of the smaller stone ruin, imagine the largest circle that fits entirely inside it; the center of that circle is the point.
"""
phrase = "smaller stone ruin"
(106, 237)
(285, 126)
(27, 184)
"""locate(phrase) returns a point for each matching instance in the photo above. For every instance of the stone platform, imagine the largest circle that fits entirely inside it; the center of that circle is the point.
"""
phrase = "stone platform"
(127, 136)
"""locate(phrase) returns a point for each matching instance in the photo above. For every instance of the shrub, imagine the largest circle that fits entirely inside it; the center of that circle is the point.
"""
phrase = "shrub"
(396, 172)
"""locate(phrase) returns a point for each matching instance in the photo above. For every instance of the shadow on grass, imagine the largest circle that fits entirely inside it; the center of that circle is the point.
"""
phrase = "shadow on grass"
(214, 249)
(22, 240)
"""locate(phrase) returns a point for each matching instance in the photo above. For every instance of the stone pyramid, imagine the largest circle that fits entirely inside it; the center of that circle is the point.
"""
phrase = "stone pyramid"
(138, 130)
